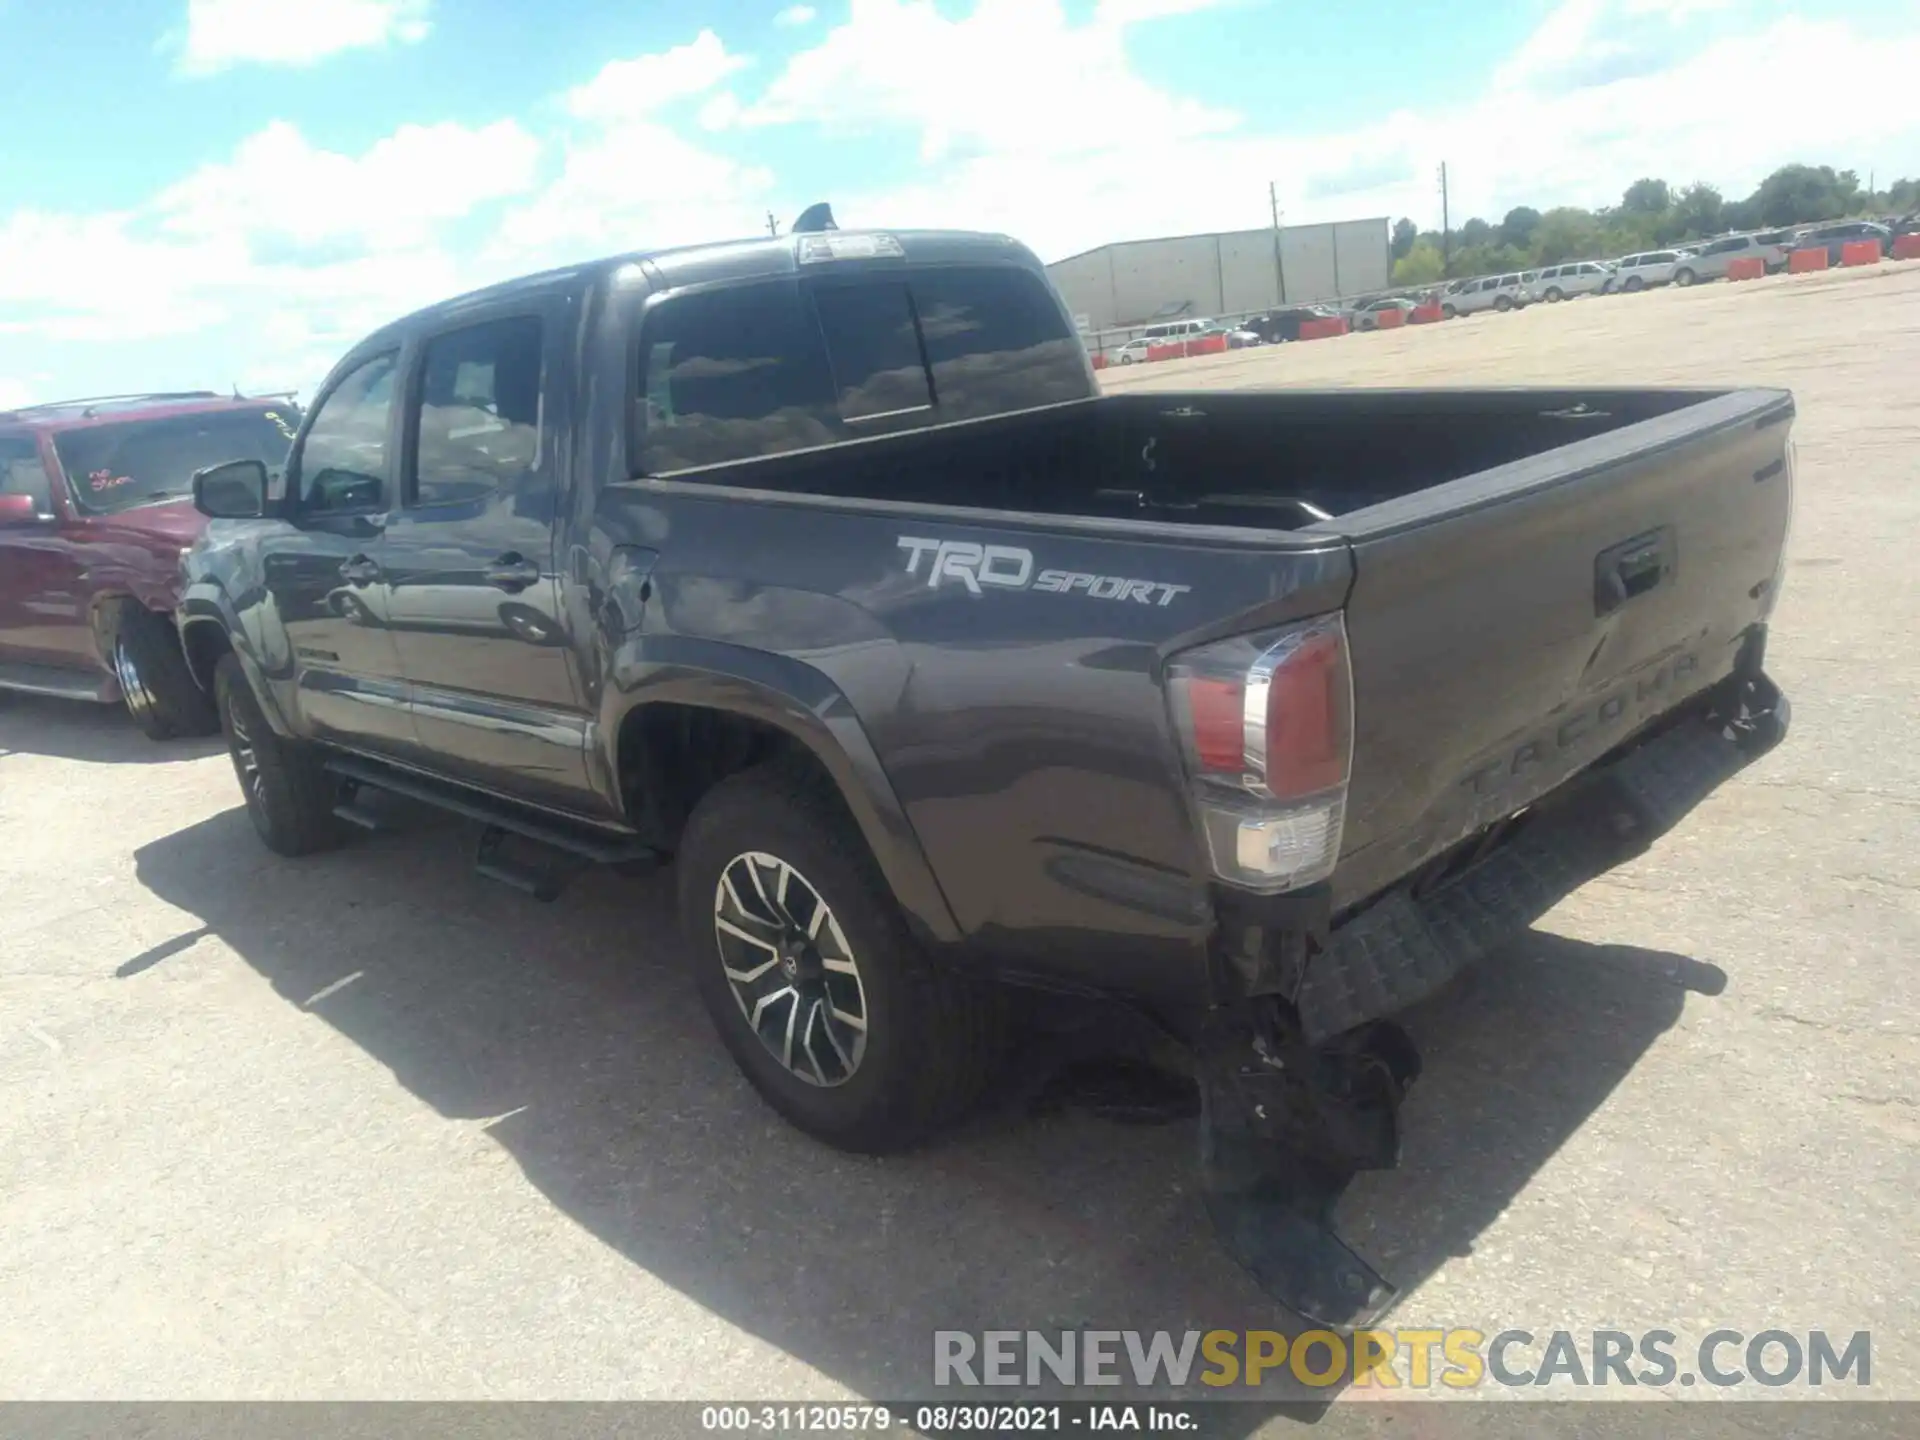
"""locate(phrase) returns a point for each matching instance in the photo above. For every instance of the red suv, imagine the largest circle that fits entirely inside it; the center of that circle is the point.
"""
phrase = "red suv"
(96, 507)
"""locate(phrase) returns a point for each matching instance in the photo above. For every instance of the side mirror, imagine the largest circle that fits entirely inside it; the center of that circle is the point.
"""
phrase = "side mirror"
(19, 511)
(235, 490)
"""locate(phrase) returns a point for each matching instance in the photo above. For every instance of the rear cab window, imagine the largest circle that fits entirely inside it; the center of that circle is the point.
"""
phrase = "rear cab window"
(769, 367)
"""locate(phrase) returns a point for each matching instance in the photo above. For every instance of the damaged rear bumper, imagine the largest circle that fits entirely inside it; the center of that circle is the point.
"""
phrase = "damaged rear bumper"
(1410, 943)
(1301, 1073)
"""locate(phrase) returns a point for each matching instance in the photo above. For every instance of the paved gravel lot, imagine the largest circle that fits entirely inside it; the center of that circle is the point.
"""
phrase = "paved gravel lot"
(366, 1125)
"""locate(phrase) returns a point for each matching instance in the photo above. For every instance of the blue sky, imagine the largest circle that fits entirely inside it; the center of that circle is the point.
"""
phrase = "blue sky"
(205, 192)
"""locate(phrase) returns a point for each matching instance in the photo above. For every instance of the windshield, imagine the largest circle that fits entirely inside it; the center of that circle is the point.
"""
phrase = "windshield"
(115, 466)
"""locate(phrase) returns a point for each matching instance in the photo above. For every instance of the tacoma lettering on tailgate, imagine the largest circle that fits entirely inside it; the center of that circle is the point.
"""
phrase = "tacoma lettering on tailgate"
(1578, 730)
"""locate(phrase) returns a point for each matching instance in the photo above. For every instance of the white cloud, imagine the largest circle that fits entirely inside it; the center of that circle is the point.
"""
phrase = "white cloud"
(594, 206)
(273, 258)
(1132, 12)
(1054, 84)
(281, 186)
(223, 33)
(1680, 108)
(796, 15)
(300, 248)
(625, 89)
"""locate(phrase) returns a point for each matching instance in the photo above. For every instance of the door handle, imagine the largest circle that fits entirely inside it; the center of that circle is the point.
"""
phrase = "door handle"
(513, 572)
(359, 571)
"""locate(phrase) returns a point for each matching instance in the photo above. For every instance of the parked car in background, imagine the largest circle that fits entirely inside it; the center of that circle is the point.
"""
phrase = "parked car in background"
(1277, 326)
(1490, 292)
(1239, 337)
(1575, 277)
(1836, 237)
(1711, 260)
(95, 509)
(1648, 268)
(1134, 351)
(1170, 330)
(1367, 317)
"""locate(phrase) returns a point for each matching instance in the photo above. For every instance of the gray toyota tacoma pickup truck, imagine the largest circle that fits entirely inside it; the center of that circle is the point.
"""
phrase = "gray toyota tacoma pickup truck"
(821, 567)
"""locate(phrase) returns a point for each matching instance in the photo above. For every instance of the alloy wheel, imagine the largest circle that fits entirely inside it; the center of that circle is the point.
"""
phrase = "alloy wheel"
(791, 970)
(133, 688)
(246, 760)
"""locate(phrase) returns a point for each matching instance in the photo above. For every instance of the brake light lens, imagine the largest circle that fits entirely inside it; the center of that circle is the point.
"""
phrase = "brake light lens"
(1266, 722)
(840, 245)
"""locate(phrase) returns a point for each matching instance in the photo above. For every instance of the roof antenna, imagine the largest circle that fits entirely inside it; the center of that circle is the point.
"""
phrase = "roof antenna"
(813, 220)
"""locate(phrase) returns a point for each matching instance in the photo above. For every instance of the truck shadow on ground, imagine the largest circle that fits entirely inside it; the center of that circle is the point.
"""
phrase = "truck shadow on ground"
(578, 1023)
(81, 730)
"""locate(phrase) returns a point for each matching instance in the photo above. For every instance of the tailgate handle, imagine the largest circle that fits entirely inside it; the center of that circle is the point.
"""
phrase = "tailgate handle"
(1633, 567)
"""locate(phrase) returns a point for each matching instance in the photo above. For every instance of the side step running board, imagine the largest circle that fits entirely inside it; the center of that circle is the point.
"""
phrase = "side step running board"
(500, 820)
(543, 882)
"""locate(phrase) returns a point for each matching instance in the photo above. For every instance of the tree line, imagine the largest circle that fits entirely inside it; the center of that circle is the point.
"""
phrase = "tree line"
(1651, 215)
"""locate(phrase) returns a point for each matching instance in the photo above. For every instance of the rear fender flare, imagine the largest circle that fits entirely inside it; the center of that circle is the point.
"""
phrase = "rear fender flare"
(803, 702)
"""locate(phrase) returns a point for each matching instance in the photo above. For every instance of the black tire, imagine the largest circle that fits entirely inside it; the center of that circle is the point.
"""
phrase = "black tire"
(159, 690)
(290, 797)
(1502, 303)
(932, 1034)
(1555, 294)
(1684, 277)
(1448, 312)
(1634, 282)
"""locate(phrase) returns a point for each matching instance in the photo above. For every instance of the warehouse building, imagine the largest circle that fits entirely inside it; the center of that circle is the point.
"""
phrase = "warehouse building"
(1238, 272)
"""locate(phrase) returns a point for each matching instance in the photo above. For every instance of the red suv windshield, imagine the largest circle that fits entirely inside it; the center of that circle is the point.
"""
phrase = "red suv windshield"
(123, 463)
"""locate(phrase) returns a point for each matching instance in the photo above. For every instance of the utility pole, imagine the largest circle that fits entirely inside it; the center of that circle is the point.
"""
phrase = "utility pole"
(1279, 261)
(1446, 229)
(773, 226)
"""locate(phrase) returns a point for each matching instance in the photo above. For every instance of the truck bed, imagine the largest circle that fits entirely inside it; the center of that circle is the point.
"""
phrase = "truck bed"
(1278, 460)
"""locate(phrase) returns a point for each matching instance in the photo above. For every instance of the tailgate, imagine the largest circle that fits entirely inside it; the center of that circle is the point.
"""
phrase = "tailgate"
(1510, 628)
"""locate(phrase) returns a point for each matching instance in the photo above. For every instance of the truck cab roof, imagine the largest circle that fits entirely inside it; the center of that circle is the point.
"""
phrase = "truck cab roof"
(734, 262)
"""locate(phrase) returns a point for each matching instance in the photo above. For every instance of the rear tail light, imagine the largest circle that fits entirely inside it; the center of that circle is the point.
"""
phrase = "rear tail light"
(1266, 722)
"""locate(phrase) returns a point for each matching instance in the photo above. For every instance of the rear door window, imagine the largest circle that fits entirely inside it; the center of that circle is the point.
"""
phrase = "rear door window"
(477, 426)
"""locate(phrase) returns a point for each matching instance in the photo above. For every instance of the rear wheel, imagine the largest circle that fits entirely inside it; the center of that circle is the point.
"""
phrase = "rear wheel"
(290, 796)
(811, 976)
(159, 689)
